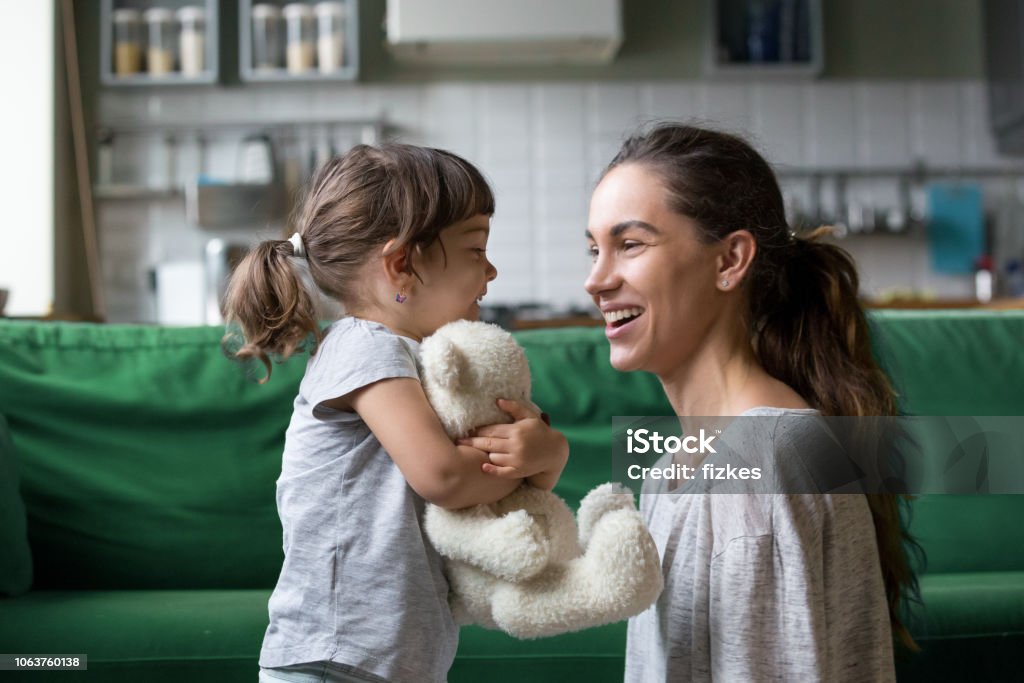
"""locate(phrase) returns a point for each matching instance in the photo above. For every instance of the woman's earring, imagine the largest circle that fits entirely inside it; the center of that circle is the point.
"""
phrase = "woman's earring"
(725, 283)
(401, 297)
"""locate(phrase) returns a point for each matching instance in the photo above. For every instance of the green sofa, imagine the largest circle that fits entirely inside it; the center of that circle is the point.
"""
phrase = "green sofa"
(147, 463)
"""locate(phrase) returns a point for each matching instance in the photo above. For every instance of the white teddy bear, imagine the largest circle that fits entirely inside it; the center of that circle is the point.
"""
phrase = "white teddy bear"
(520, 565)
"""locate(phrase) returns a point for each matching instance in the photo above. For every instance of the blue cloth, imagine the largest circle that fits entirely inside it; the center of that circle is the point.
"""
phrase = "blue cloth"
(956, 227)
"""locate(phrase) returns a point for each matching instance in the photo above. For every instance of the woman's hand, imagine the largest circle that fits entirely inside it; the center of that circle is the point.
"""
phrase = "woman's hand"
(526, 449)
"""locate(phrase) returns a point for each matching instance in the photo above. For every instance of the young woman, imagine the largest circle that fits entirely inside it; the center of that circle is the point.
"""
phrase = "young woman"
(704, 284)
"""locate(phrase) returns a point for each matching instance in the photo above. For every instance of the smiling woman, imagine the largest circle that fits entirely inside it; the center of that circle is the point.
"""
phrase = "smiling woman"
(702, 283)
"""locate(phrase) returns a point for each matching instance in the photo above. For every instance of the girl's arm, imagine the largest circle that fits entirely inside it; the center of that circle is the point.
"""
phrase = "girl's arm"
(450, 476)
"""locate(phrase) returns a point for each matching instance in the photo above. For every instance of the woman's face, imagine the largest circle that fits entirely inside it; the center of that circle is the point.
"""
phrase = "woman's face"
(652, 278)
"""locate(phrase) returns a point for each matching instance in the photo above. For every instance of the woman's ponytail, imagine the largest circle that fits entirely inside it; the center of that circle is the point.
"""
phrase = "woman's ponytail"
(811, 332)
(269, 302)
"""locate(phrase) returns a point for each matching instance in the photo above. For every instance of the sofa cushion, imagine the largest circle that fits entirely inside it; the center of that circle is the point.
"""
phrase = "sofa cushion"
(15, 559)
(148, 459)
(956, 532)
(153, 636)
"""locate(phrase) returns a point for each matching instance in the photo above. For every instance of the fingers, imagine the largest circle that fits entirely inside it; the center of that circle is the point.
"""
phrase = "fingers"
(500, 430)
(501, 472)
(489, 444)
(517, 410)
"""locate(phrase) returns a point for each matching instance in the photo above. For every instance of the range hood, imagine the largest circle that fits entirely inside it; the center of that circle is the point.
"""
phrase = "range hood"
(504, 32)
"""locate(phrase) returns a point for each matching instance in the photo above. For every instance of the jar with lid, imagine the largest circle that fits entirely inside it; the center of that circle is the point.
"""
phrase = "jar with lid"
(301, 53)
(127, 41)
(163, 41)
(192, 40)
(330, 35)
(267, 47)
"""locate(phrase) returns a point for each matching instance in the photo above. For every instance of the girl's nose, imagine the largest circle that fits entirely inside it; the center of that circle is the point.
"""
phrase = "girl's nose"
(492, 272)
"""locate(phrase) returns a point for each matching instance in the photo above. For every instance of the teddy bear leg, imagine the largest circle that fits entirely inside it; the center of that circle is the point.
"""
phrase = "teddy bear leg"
(552, 514)
(599, 502)
(619, 576)
(469, 595)
(513, 546)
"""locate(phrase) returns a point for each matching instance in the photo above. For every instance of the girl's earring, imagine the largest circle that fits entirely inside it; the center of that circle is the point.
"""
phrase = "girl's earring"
(401, 297)
(725, 283)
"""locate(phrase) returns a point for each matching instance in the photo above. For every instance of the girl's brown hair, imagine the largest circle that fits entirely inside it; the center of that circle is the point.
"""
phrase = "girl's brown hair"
(807, 325)
(355, 204)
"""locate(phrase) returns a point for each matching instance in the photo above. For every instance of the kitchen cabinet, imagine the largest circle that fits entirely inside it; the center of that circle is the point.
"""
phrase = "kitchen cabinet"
(764, 38)
(298, 41)
(1004, 65)
(176, 42)
(158, 43)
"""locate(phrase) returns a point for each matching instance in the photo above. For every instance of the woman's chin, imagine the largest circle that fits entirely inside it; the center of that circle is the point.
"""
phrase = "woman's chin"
(623, 361)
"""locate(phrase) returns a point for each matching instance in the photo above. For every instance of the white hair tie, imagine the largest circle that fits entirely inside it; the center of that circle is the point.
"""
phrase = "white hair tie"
(296, 240)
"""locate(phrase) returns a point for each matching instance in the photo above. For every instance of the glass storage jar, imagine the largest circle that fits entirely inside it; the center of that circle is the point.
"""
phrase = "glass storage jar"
(267, 46)
(192, 40)
(163, 41)
(330, 36)
(301, 52)
(127, 41)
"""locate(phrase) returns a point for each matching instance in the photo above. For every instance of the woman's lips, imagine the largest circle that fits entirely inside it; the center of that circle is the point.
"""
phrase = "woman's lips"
(612, 331)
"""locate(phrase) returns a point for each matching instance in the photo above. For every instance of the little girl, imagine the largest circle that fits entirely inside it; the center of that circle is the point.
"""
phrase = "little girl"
(398, 235)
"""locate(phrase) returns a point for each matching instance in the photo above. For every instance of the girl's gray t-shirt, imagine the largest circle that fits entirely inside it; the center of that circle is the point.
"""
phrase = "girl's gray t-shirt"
(360, 585)
(764, 587)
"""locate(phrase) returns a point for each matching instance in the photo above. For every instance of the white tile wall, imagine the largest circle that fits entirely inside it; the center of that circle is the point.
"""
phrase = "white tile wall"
(543, 145)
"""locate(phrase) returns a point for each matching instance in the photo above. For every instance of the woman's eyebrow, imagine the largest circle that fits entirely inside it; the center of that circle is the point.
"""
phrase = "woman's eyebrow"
(622, 227)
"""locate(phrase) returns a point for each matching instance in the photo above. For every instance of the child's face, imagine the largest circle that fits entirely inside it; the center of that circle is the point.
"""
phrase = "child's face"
(455, 277)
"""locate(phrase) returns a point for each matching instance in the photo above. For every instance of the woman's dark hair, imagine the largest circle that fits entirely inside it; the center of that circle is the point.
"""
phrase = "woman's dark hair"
(807, 325)
(355, 203)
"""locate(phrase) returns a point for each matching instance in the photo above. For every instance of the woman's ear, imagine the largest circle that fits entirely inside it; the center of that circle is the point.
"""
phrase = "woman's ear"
(738, 251)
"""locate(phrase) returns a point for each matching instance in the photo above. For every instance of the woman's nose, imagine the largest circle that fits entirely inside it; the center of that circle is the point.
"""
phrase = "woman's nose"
(601, 278)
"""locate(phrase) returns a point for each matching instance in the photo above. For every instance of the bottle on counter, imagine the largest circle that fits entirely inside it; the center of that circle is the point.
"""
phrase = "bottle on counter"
(267, 47)
(301, 52)
(1014, 278)
(192, 40)
(983, 282)
(330, 36)
(127, 42)
(163, 41)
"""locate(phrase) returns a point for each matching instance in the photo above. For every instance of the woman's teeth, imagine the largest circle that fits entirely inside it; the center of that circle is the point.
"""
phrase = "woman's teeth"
(612, 317)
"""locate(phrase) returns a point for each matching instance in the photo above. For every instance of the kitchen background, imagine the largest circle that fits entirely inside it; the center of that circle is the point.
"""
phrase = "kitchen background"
(884, 129)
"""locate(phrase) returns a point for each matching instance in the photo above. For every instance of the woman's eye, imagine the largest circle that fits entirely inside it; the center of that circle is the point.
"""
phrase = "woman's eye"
(592, 251)
(630, 244)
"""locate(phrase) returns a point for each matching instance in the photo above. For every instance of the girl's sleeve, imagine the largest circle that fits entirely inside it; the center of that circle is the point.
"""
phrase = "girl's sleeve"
(357, 359)
(804, 602)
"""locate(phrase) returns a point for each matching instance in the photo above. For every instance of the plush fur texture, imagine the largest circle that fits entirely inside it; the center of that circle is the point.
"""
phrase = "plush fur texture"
(521, 565)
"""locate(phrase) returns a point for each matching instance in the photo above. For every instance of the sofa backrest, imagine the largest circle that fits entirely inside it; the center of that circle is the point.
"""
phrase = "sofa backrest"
(148, 460)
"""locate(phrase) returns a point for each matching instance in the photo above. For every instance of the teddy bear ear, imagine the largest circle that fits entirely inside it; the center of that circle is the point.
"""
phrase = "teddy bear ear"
(449, 364)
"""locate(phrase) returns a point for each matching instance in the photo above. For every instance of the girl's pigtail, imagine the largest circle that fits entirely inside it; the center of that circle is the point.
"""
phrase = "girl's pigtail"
(269, 302)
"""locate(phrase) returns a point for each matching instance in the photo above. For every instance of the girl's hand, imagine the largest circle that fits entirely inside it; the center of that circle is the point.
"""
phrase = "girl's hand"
(526, 449)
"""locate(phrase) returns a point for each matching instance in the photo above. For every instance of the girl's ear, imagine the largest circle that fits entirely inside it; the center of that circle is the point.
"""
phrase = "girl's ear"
(395, 263)
(738, 250)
